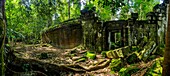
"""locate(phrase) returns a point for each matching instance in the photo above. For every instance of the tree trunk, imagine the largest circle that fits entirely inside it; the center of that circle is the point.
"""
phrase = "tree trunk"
(68, 9)
(2, 37)
(2, 40)
(166, 64)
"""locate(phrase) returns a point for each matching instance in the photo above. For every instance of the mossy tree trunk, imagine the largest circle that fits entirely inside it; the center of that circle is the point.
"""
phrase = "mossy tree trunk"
(166, 64)
(2, 41)
(2, 37)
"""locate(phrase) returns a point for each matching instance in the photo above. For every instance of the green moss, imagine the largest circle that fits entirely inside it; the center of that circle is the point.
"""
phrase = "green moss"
(128, 71)
(135, 48)
(156, 68)
(72, 55)
(103, 53)
(145, 39)
(116, 64)
(81, 60)
(90, 55)
(133, 58)
(109, 54)
(152, 57)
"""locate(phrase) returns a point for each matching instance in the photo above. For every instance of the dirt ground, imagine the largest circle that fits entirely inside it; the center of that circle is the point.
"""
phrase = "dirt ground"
(61, 56)
(69, 56)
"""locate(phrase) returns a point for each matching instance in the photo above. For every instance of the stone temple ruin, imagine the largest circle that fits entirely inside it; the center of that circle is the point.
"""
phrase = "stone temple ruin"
(98, 35)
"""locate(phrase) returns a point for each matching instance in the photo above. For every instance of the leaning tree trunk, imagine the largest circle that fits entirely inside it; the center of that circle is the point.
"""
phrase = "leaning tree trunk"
(166, 64)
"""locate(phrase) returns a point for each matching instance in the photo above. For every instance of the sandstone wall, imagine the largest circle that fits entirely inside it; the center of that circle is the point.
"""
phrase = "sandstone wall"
(67, 36)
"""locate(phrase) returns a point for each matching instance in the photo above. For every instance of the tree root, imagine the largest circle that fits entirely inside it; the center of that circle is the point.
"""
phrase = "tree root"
(52, 69)
(100, 66)
(82, 68)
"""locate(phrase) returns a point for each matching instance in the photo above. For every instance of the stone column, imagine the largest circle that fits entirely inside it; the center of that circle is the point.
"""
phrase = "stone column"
(91, 30)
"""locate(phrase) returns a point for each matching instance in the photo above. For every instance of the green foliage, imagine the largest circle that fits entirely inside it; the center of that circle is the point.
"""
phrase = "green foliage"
(116, 64)
(142, 7)
(30, 18)
(14, 35)
(135, 48)
(106, 14)
(106, 8)
(103, 53)
(156, 68)
(162, 45)
(122, 9)
(115, 45)
(161, 50)
(152, 57)
(128, 71)
(133, 58)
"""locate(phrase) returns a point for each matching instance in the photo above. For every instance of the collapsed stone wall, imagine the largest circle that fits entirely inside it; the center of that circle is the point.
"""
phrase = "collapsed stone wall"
(97, 35)
(67, 36)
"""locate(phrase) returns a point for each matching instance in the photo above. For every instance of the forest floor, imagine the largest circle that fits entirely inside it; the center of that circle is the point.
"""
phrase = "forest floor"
(61, 56)
(49, 54)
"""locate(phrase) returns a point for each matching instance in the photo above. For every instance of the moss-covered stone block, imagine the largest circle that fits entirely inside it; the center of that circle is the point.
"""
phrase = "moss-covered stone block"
(116, 64)
(126, 50)
(103, 53)
(120, 53)
(133, 58)
(156, 68)
(90, 55)
(128, 71)
(109, 54)
(117, 53)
